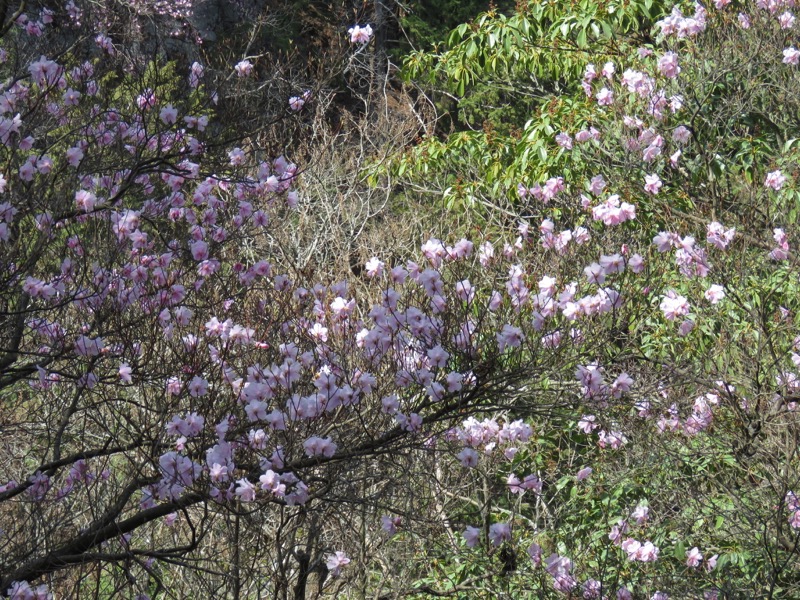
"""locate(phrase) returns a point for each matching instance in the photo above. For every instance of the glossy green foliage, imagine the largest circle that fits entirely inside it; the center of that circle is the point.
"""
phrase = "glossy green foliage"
(510, 83)
(428, 22)
(546, 43)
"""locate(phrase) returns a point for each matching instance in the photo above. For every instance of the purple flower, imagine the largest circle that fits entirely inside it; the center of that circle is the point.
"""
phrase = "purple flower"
(471, 535)
(499, 533)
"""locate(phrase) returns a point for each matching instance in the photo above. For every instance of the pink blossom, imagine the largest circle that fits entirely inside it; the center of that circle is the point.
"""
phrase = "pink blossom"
(74, 156)
(711, 563)
(775, 179)
(621, 385)
(195, 74)
(587, 423)
(559, 567)
(85, 200)
(125, 372)
(465, 291)
(551, 188)
(717, 235)
(509, 336)
(434, 250)
(335, 562)
(71, 97)
(674, 306)
(105, 43)
(782, 251)
(613, 263)
(40, 485)
(595, 273)
(744, 20)
(317, 446)
(85, 346)
(27, 170)
(597, 185)
(636, 263)
(640, 514)
(652, 184)
(681, 134)
(651, 153)
(612, 212)
(605, 97)
(360, 35)
(169, 114)
(614, 439)
(617, 531)
(45, 73)
(296, 103)
(714, 294)
(581, 235)
(245, 490)
(532, 483)
(237, 157)
(514, 484)
(693, 557)
(199, 250)
(685, 327)
(584, 473)
(631, 547)
(244, 68)
(591, 589)
(374, 267)
(668, 65)
(647, 552)
(146, 100)
(319, 332)
(664, 241)
(198, 387)
(271, 482)
(564, 140)
(218, 473)
(22, 590)
(468, 457)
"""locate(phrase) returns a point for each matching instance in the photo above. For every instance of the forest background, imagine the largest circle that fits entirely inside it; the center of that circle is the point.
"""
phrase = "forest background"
(399, 300)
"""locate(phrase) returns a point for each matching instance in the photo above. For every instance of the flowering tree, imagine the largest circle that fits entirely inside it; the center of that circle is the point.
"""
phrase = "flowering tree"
(661, 155)
(592, 403)
(158, 371)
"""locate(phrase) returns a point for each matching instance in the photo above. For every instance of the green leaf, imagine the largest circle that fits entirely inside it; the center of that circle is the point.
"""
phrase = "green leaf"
(680, 551)
(581, 40)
